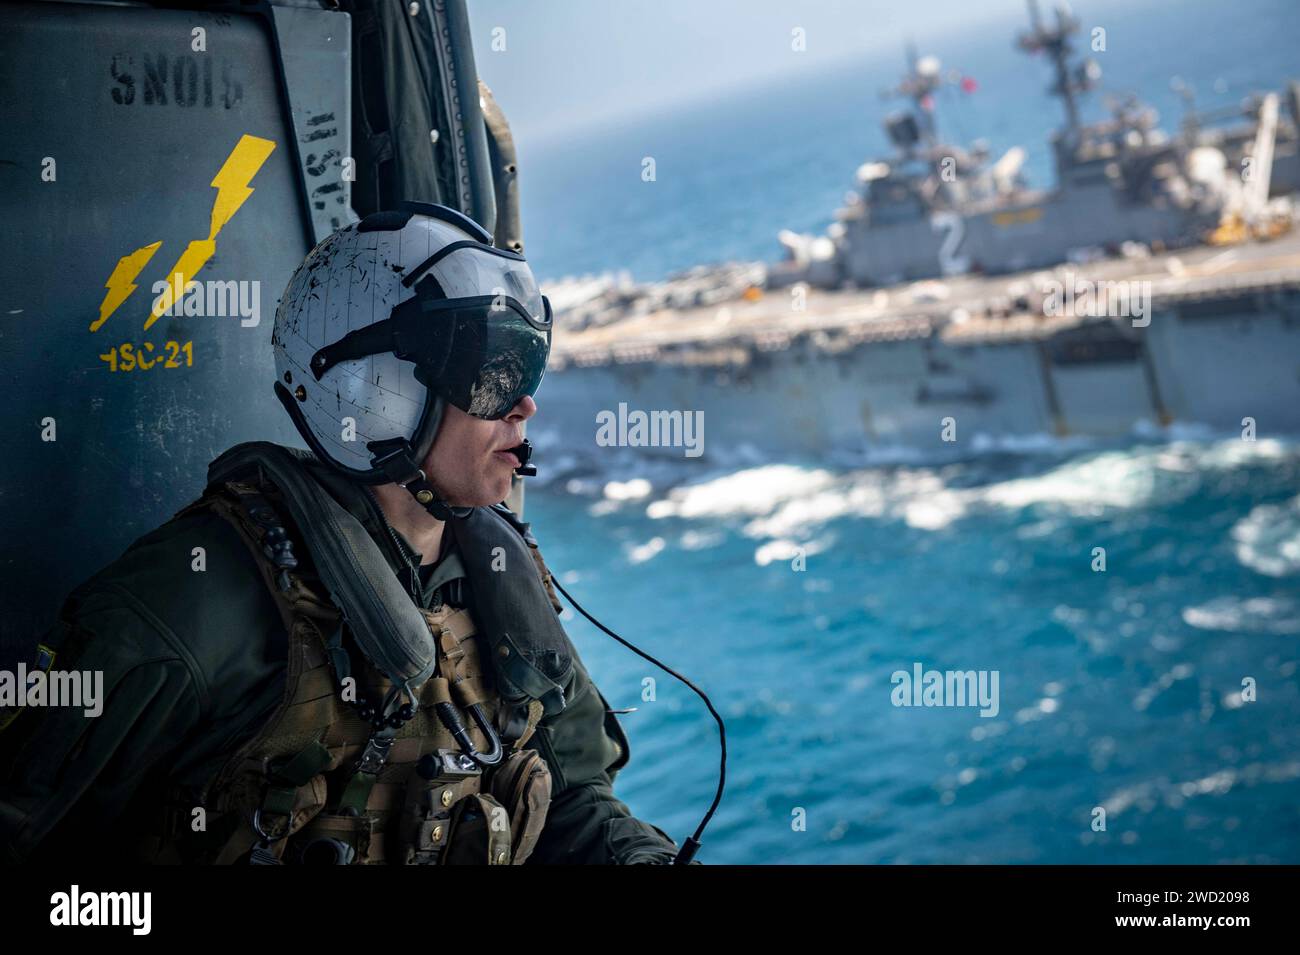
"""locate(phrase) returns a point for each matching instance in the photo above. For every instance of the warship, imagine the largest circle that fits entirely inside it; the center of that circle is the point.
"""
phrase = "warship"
(950, 307)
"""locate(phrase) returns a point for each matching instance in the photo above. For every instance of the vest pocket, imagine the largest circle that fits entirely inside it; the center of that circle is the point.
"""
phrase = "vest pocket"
(479, 832)
(421, 830)
(523, 782)
(336, 839)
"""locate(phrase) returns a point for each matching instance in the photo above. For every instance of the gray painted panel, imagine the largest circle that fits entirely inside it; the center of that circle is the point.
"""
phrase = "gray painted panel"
(137, 150)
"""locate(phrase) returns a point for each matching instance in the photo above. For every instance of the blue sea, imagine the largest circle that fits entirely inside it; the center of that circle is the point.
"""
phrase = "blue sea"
(1119, 689)
(791, 591)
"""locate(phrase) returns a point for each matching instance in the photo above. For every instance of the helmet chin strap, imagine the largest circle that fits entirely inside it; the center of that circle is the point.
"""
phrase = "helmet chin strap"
(396, 458)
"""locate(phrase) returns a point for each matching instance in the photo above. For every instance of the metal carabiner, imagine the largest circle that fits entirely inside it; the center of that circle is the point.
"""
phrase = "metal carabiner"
(257, 827)
(452, 721)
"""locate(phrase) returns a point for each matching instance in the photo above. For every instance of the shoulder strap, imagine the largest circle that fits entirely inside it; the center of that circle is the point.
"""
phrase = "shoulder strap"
(545, 573)
(531, 651)
(380, 613)
(260, 524)
(523, 527)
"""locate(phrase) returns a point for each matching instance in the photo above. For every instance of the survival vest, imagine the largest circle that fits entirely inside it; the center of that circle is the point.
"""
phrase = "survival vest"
(339, 774)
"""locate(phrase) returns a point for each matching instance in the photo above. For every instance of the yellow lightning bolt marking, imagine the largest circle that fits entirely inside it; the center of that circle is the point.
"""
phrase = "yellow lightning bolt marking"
(120, 284)
(231, 183)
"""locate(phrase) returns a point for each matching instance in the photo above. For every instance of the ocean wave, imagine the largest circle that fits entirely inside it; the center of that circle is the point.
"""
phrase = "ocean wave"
(753, 491)
(1267, 540)
(1210, 449)
(1147, 796)
(787, 550)
(1253, 615)
(780, 501)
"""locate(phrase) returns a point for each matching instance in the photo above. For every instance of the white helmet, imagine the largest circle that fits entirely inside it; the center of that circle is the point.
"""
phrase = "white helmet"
(390, 317)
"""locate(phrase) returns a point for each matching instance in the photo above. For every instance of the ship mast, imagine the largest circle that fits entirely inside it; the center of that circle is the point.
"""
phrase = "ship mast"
(1055, 41)
(919, 84)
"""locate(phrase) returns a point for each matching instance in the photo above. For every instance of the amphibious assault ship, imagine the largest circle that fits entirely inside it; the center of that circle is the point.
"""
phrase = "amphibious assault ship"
(1157, 283)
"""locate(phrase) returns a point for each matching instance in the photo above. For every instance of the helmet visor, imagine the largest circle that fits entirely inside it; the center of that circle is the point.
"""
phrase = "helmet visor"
(482, 354)
(496, 357)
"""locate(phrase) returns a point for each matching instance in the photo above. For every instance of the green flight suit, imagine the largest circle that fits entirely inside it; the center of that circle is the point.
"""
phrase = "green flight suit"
(194, 664)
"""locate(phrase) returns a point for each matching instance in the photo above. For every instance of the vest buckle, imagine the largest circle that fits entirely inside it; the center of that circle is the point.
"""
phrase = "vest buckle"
(375, 754)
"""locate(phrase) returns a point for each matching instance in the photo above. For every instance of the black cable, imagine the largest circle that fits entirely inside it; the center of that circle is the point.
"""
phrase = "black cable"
(692, 844)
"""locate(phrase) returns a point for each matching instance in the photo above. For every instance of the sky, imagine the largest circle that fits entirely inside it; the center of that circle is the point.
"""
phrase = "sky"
(559, 65)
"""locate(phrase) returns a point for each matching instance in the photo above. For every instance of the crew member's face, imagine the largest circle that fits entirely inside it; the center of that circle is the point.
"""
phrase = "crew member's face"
(468, 462)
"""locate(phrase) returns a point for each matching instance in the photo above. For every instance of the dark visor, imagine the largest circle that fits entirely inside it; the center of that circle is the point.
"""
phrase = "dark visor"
(482, 353)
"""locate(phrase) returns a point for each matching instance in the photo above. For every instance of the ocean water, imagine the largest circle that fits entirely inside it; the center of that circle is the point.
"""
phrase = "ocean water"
(1119, 690)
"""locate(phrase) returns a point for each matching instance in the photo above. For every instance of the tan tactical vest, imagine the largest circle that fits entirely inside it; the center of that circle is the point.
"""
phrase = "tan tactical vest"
(314, 786)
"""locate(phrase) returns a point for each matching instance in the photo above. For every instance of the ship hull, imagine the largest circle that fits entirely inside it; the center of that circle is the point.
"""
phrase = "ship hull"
(1222, 360)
